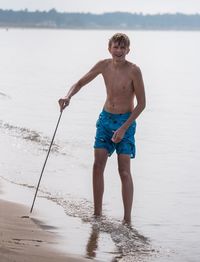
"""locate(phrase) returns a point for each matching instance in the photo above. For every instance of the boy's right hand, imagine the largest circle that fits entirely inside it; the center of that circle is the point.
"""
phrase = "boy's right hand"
(63, 102)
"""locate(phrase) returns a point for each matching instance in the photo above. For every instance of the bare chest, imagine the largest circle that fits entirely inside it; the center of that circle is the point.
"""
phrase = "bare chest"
(118, 81)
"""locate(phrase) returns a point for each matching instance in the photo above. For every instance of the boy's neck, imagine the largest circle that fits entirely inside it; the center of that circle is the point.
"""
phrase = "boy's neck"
(118, 63)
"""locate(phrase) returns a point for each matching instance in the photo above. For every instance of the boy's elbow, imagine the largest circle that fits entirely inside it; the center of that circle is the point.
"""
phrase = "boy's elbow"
(142, 105)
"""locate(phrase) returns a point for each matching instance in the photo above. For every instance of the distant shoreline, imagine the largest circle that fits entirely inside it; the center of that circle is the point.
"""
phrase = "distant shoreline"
(107, 21)
(7, 28)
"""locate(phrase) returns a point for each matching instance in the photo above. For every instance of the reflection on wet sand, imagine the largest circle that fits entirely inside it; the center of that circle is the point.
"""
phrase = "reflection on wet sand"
(92, 244)
(129, 243)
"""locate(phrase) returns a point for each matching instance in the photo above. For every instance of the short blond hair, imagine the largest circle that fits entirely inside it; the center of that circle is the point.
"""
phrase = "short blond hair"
(119, 38)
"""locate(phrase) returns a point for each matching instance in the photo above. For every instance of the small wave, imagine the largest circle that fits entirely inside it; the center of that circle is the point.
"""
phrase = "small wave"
(3, 95)
(130, 244)
(30, 135)
(129, 241)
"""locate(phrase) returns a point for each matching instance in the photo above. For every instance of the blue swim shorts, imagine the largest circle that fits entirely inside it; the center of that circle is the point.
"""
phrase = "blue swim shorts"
(106, 125)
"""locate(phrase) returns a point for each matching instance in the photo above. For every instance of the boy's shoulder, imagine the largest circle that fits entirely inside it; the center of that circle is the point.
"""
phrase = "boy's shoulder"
(105, 61)
(135, 69)
(133, 65)
(102, 64)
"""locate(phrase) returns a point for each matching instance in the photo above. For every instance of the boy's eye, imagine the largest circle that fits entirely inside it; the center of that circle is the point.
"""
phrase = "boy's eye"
(121, 47)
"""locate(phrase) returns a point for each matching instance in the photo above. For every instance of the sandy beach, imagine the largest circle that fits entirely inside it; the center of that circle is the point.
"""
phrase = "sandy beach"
(24, 239)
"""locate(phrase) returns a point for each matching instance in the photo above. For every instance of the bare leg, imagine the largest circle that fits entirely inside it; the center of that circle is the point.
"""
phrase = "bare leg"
(100, 159)
(127, 185)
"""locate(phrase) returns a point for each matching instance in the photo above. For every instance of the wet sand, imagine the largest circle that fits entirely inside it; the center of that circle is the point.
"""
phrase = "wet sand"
(22, 239)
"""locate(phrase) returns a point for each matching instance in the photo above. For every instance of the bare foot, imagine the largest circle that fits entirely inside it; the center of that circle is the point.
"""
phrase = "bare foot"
(97, 217)
(127, 223)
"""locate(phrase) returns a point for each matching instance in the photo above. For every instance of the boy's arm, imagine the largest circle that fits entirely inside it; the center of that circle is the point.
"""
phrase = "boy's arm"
(140, 97)
(141, 103)
(94, 72)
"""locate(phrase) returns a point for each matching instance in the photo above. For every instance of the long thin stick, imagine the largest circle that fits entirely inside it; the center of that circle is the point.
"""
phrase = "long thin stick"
(45, 161)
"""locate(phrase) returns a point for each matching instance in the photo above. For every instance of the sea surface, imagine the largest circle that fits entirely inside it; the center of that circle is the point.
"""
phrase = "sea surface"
(37, 67)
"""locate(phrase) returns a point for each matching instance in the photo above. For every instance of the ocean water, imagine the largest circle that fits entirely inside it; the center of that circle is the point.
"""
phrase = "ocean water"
(37, 68)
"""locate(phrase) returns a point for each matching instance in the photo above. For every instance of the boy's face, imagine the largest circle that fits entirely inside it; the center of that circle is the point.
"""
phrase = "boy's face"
(118, 51)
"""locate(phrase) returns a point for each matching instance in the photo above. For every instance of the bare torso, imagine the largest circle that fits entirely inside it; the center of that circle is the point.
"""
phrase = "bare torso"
(119, 86)
(123, 81)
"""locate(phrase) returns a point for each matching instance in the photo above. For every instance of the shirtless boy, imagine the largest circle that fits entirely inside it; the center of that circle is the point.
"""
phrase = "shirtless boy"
(116, 124)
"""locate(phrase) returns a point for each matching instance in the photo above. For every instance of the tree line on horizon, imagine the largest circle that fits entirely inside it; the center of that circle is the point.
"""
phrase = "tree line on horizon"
(114, 20)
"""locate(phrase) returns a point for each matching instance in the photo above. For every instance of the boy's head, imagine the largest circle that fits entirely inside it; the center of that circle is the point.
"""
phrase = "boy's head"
(120, 39)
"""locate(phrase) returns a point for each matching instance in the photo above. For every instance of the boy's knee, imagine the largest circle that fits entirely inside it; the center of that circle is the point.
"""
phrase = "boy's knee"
(98, 166)
(124, 174)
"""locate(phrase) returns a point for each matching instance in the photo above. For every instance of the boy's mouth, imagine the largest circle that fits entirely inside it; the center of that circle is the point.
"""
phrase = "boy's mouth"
(118, 55)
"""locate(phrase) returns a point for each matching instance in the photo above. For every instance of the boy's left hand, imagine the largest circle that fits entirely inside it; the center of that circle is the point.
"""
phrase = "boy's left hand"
(118, 135)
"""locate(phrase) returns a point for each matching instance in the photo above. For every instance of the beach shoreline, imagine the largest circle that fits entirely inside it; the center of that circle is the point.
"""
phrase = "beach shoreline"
(23, 240)
(23, 237)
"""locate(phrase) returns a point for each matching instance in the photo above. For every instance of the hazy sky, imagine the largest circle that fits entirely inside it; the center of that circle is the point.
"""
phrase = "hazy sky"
(101, 6)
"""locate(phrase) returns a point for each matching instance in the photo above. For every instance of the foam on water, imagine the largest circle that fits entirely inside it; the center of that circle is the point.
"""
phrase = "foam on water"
(30, 135)
(3, 95)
